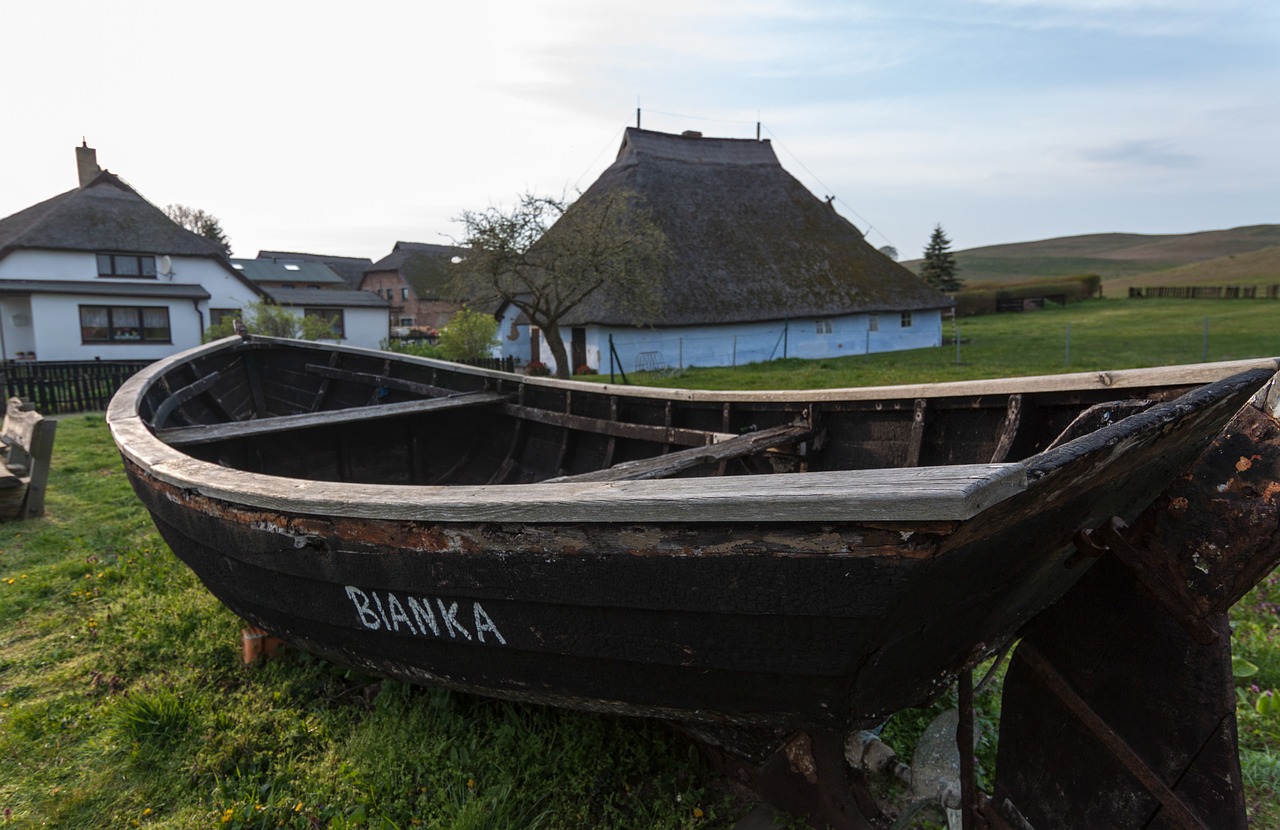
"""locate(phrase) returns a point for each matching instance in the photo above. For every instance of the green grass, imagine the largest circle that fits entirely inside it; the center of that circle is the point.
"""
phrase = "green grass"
(1104, 334)
(123, 701)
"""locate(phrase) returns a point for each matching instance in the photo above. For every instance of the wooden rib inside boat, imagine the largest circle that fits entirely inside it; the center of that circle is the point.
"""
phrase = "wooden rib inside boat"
(793, 560)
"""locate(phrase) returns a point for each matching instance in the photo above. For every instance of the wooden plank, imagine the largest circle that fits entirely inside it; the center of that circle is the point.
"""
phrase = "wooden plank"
(663, 466)
(617, 429)
(255, 385)
(41, 458)
(911, 495)
(1008, 430)
(917, 433)
(370, 379)
(19, 428)
(206, 433)
(324, 385)
(186, 393)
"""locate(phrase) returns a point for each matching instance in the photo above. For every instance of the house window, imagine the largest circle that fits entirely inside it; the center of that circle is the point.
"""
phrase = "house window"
(404, 293)
(824, 327)
(217, 316)
(406, 321)
(124, 324)
(126, 265)
(873, 322)
(906, 319)
(333, 316)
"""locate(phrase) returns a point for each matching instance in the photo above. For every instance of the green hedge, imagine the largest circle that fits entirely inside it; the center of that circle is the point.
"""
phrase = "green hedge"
(983, 298)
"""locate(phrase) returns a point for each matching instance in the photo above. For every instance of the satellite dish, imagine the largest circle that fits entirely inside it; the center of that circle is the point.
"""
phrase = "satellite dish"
(166, 266)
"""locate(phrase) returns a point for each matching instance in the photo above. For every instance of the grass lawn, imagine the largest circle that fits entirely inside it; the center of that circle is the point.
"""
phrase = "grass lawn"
(1104, 334)
(123, 701)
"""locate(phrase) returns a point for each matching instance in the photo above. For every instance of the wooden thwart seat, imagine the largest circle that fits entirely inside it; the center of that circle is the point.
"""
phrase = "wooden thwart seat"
(27, 439)
(207, 433)
(666, 465)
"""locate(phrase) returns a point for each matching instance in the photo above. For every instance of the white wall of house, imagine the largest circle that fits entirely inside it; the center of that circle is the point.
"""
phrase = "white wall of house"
(730, 345)
(17, 334)
(53, 330)
(364, 327)
(55, 319)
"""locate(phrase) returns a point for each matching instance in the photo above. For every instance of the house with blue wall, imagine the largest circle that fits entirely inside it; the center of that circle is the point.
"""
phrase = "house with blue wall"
(759, 269)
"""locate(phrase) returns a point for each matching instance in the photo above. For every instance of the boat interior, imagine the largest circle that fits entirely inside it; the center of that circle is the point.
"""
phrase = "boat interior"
(354, 416)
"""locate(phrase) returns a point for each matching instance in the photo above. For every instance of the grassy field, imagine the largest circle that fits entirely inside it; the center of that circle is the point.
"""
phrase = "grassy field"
(1104, 334)
(123, 701)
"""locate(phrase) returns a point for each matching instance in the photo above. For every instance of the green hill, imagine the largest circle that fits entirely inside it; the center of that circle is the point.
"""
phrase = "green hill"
(1123, 259)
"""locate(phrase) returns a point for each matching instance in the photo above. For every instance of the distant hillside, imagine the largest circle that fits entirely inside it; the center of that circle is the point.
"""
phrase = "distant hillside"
(1261, 267)
(1116, 257)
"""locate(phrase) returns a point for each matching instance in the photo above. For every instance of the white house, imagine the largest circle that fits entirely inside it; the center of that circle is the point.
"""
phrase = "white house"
(99, 272)
(759, 268)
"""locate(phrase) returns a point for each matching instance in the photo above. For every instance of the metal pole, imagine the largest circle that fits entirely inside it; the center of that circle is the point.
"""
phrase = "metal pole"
(955, 334)
(735, 351)
(964, 743)
(682, 352)
(786, 328)
(611, 354)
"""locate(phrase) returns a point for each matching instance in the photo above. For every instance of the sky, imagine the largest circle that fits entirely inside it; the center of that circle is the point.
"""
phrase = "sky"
(341, 127)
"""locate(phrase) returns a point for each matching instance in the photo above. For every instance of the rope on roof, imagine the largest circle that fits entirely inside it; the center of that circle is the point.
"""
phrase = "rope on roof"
(863, 219)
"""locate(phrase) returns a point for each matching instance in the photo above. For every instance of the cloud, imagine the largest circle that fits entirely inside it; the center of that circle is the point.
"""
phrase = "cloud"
(1142, 153)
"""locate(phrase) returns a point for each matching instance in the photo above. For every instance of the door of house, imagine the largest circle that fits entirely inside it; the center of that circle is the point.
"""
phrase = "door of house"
(578, 346)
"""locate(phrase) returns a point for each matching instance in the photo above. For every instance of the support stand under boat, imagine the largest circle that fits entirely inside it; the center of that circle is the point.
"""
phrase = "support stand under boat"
(1118, 708)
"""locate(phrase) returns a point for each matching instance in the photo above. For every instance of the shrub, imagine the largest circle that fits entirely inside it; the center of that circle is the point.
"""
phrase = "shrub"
(536, 368)
(273, 321)
(470, 335)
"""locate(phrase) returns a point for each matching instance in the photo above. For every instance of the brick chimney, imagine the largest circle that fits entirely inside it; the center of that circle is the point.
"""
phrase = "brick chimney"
(87, 163)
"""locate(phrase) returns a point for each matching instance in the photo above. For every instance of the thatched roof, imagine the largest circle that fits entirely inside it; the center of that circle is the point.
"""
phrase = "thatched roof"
(425, 267)
(104, 215)
(747, 241)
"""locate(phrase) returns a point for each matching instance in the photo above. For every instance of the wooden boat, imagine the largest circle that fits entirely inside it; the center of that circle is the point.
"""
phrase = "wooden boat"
(797, 560)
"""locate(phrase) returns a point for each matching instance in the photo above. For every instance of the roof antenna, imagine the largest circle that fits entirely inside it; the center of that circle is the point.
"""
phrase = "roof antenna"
(757, 131)
(637, 118)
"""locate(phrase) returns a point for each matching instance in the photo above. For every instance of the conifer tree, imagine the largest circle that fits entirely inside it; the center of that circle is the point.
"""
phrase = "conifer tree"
(939, 268)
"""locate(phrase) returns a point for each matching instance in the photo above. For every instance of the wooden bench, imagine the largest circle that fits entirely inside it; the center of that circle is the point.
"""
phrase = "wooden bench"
(27, 439)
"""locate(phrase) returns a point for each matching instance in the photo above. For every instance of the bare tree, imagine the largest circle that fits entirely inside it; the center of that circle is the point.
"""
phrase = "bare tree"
(546, 256)
(201, 222)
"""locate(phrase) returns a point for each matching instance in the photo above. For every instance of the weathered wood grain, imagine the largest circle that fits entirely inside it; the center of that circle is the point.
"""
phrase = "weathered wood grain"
(206, 433)
(671, 463)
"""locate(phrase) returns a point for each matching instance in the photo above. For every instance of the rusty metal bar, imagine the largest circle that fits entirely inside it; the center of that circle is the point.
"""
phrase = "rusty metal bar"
(1178, 814)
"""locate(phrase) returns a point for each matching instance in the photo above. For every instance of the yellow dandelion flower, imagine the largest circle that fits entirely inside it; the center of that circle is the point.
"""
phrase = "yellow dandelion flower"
(697, 812)
(297, 808)
(147, 812)
(471, 783)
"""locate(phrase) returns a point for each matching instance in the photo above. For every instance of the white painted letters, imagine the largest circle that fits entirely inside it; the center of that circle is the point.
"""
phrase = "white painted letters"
(367, 618)
(386, 611)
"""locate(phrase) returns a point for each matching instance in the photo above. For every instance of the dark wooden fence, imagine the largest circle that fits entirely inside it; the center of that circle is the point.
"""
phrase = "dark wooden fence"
(502, 364)
(57, 387)
(1207, 292)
